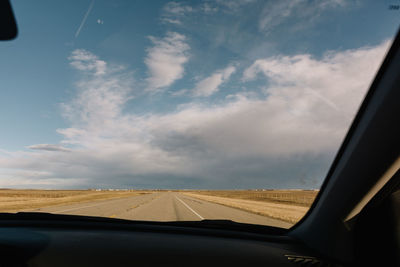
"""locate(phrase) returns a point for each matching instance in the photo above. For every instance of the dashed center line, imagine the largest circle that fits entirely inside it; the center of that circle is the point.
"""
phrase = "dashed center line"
(187, 206)
(77, 208)
(84, 207)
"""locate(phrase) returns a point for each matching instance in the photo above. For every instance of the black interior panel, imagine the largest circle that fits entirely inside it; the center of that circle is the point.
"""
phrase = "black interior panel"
(36, 246)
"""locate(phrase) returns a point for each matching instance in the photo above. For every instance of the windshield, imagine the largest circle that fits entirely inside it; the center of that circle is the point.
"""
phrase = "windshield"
(182, 111)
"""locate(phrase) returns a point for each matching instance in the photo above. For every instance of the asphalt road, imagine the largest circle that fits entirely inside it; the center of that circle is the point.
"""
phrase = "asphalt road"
(162, 206)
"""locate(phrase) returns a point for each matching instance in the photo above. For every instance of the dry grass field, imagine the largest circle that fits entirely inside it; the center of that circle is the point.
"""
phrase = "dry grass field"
(12, 200)
(293, 197)
(287, 205)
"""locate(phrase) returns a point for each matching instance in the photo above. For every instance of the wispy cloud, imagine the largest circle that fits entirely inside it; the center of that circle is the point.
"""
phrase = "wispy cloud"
(181, 92)
(234, 5)
(49, 147)
(101, 94)
(177, 8)
(210, 85)
(78, 31)
(86, 61)
(173, 12)
(172, 21)
(165, 60)
(208, 8)
(275, 13)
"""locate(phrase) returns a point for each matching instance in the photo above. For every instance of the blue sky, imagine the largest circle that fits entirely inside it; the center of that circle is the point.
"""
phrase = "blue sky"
(199, 94)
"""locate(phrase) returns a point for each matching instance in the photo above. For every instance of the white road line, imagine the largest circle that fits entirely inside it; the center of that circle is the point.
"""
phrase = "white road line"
(187, 206)
(78, 208)
(84, 207)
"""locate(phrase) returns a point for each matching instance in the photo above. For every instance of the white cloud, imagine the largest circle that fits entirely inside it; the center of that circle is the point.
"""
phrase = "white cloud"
(173, 12)
(86, 61)
(210, 85)
(338, 80)
(36, 179)
(101, 93)
(275, 13)
(282, 139)
(172, 21)
(176, 8)
(165, 60)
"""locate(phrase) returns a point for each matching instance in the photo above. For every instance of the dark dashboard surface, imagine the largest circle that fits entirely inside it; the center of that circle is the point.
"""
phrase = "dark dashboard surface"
(92, 244)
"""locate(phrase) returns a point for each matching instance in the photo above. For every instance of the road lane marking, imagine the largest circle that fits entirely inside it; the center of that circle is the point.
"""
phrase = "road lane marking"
(77, 208)
(113, 216)
(187, 206)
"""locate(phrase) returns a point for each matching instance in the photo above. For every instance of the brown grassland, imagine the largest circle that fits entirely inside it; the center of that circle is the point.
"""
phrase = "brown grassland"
(12, 200)
(287, 205)
(293, 197)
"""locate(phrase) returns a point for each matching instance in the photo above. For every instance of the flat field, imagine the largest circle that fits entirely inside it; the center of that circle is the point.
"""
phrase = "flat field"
(293, 197)
(286, 205)
(12, 200)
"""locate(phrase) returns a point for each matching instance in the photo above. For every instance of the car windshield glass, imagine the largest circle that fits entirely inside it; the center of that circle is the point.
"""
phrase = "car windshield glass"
(182, 110)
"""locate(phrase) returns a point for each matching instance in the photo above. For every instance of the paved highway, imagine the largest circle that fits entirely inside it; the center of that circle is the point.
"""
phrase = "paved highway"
(162, 206)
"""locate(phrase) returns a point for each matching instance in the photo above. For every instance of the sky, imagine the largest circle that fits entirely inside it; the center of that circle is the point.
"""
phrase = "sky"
(217, 94)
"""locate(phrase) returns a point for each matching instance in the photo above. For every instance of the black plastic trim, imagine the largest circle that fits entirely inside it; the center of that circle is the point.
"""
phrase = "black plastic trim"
(8, 24)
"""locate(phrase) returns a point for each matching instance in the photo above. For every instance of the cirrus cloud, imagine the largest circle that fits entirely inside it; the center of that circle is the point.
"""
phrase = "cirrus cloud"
(276, 13)
(87, 61)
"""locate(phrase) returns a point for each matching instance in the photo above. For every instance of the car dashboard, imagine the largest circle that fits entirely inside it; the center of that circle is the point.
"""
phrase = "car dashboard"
(108, 242)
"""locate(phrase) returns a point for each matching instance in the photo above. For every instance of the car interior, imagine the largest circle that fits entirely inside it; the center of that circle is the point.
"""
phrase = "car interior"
(354, 221)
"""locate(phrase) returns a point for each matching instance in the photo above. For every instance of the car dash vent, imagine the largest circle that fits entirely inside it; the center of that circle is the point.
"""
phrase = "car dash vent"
(309, 261)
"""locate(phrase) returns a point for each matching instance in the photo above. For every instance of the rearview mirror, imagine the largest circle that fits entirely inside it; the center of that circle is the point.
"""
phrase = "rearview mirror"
(8, 25)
